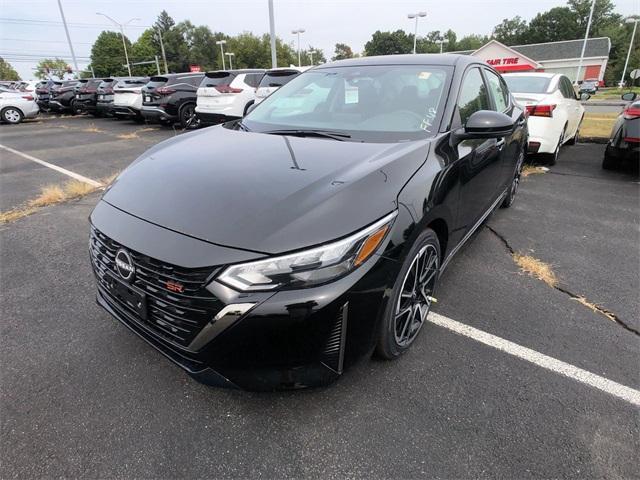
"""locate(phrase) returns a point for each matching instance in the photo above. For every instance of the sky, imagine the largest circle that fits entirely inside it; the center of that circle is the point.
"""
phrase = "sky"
(32, 29)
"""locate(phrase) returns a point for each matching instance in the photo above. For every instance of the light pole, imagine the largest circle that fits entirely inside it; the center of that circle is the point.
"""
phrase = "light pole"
(272, 33)
(230, 54)
(124, 43)
(584, 43)
(635, 21)
(415, 33)
(66, 30)
(164, 56)
(441, 41)
(298, 32)
(221, 43)
(311, 56)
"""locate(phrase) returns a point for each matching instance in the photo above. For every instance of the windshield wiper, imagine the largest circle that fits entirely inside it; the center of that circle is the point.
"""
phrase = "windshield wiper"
(242, 126)
(299, 132)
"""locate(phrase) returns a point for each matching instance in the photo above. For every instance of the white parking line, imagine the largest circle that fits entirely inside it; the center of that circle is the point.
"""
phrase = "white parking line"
(596, 381)
(69, 173)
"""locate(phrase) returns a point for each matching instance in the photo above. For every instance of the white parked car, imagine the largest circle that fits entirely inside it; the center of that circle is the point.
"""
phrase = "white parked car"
(275, 78)
(127, 98)
(554, 110)
(16, 106)
(226, 94)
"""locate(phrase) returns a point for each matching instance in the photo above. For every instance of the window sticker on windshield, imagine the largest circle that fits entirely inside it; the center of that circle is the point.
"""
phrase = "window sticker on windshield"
(350, 95)
(424, 75)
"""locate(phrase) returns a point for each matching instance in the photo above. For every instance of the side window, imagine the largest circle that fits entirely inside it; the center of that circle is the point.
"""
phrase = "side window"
(252, 79)
(498, 91)
(570, 91)
(473, 95)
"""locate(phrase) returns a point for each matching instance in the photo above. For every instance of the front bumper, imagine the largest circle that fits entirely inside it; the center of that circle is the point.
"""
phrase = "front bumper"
(289, 339)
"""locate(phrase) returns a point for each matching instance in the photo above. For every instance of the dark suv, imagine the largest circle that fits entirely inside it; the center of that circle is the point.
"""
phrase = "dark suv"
(43, 92)
(104, 96)
(62, 96)
(86, 94)
(171, 98)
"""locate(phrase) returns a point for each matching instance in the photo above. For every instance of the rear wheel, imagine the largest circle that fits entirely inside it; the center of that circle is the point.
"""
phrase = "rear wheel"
(188, 118)
(11, 115)
(411, 298)
(576, 137)
(552, 158)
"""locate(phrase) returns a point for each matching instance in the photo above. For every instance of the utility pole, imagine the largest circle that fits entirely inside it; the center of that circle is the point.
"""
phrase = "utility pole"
(584, 44)
(272, 33)
(157, 65)
(66, 30)
(411, 16)
(626, 62)
(311, 56)
(164, 56)
(221, 43)
(298, 32)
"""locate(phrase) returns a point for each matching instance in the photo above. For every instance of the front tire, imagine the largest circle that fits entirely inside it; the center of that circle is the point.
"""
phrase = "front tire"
(11, 115)
(188, 118)
(411, 297)
(515, 183)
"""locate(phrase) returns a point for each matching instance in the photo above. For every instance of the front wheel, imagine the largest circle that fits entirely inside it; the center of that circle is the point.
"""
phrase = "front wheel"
(11, 115)
(411, 297)
(515, 183)
(188, 118)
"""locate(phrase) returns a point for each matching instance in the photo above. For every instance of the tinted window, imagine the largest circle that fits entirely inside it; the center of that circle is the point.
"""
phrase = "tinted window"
(498, 91)
(473, 95)
(157, 82)
(370, 103)
(569, 92)
(525, 84)
(253, 79)
(278, 78)
(213, 79)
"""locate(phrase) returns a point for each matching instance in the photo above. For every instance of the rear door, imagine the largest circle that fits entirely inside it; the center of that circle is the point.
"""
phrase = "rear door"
(480, 163)
(572, 105)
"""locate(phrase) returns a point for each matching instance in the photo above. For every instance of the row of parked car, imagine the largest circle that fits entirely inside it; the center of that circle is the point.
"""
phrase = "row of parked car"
(190, 99)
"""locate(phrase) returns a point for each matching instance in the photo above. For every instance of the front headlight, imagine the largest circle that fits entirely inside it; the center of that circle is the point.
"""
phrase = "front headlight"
(309, 267)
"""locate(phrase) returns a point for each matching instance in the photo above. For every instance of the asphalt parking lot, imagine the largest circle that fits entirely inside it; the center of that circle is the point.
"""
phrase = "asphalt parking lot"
(83, 397)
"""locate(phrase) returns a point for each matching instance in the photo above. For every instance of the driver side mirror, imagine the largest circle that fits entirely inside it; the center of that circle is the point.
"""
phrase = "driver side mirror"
(486, 124)
(629, 96)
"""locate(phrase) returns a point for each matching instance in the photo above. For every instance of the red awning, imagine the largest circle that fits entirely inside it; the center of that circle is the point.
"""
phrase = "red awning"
(524, 67)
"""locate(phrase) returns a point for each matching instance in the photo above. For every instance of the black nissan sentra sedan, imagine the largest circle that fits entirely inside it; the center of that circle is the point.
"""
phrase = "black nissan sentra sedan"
(273, 251)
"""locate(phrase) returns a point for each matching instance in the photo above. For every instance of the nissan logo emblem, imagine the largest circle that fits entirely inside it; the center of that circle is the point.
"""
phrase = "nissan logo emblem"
(124, 265)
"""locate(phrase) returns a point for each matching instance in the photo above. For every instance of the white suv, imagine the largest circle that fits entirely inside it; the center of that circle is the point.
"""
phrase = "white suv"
(226, 94)
(275, 78)
(127, 97)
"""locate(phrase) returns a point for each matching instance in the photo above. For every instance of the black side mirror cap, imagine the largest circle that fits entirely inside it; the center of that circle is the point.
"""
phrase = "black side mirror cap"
(486, 124)
(629, 96)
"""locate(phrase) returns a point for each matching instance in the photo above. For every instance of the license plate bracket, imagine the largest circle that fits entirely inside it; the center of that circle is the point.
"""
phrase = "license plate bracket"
(132, 296)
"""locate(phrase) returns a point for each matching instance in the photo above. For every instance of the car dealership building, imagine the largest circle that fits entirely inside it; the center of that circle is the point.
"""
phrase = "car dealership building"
(554, 57)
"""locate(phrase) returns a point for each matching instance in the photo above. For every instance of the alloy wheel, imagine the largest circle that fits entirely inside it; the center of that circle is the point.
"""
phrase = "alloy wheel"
(516, 178)
(415, 298)
(11, 115)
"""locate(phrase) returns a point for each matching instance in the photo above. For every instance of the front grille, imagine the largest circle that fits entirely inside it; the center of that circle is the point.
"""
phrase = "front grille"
(175, 317)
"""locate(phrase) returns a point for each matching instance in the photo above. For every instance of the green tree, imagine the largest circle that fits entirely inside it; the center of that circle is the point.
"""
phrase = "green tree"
(471, 42)
(511, 31)
(318, 56)
(144, 50)
(201, 43)
(7, 72)
(107, 54)
(620, 35)
(50, 66)
(342, 52)
(603, 15)
(389, 43)
(164, 22)
(559, 23)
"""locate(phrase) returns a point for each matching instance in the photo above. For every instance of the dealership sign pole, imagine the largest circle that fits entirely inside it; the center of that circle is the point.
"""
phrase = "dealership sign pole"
(584, 44)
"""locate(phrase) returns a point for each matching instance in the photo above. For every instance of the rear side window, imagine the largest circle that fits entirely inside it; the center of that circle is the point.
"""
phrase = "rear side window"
(215, 79)
(278, 78)
(567, 88)
(156, 82)
(498, 91)
(473, 95)
(253, 79)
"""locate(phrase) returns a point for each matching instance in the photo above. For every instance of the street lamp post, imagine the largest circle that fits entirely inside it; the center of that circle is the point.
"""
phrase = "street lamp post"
(584, 43)
(441, 41)
(311, 56)
(124, 43)
(221, 43)
(298, 32)
(230, 54)
(635, 21)
(415, 33)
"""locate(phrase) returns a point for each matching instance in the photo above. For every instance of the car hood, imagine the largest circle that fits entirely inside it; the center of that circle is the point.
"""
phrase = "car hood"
(265, 193)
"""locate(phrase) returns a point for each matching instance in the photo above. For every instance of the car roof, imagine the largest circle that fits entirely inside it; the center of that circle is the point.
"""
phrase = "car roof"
(450, 59)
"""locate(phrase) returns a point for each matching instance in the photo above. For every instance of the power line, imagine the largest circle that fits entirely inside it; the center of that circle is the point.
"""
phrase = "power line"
(31, 21)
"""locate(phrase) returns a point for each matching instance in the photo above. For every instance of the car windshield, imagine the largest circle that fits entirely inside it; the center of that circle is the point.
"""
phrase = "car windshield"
(367, 103)
(527, 84)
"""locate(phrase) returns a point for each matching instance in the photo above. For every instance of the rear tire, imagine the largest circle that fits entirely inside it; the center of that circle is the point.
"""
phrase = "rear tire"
(576, 137)
(11, 115)
(410, 299)
(552, 158)
(515, 183)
